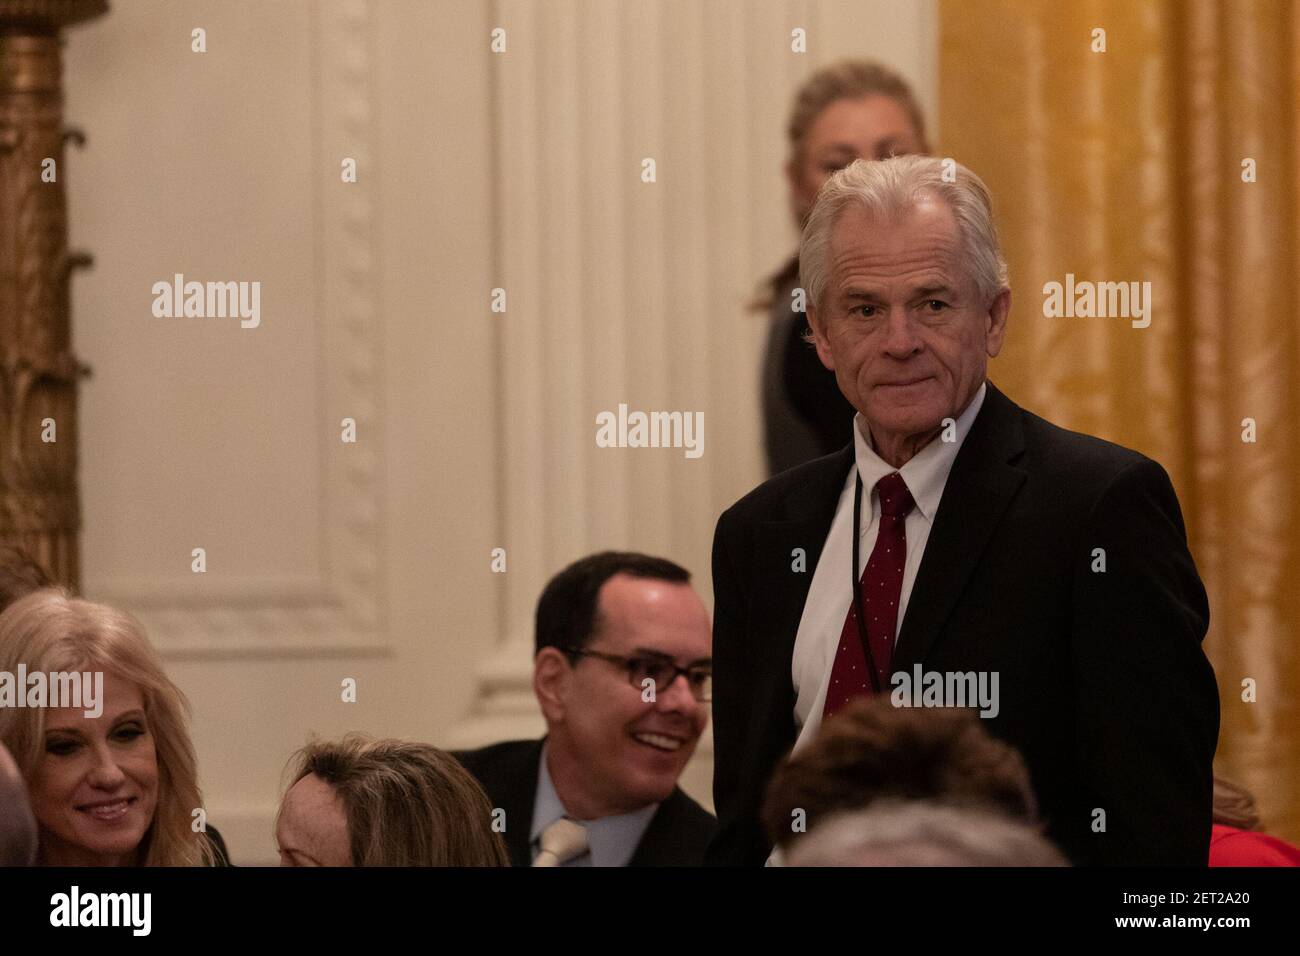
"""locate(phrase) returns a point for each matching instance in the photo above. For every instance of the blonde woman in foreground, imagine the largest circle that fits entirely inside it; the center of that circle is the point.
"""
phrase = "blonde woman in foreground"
(113, 783)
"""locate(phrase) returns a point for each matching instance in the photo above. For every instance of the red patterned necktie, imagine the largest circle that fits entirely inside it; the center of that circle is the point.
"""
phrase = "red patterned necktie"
(881, 586)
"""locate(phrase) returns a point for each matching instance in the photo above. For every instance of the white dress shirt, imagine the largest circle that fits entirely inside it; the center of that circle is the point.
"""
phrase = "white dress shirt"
(829, 596)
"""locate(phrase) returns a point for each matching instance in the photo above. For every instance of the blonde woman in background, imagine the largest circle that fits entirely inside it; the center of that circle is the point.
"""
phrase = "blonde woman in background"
(853, 109)
(118, 788)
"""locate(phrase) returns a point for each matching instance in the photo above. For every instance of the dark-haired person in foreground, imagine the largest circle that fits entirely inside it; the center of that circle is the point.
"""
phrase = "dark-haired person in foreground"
(872, 752)
(989, 542)
(622, 671)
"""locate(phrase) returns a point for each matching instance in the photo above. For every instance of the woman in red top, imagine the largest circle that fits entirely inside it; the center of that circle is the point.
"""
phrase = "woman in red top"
(1233, 841)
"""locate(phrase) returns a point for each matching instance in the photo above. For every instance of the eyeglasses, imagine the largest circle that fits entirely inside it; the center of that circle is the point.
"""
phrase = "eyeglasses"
(659, 669)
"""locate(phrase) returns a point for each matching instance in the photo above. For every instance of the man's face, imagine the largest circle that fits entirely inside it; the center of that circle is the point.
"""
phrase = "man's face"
(902, 324)
(870, 127)
(632, 751)
(95, 789)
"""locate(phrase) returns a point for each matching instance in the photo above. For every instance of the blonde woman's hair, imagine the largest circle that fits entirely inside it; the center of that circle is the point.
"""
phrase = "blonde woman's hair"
(888, 188)
(407, 804)
(49, 630)
(848, 80)
(842, 80)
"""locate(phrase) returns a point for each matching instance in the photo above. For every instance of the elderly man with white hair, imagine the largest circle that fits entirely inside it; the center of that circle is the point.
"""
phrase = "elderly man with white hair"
(960, 541)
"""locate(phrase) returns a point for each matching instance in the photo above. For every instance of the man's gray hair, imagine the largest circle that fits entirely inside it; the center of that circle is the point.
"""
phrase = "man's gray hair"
(923, 833)
(888, 188)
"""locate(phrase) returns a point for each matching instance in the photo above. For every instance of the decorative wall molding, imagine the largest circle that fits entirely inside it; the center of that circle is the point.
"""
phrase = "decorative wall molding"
(341, 613)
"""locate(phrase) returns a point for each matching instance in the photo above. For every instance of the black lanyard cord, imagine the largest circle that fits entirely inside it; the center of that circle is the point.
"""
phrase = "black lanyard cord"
(858, 608)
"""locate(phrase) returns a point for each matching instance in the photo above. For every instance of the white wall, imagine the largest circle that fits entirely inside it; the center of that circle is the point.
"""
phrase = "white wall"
(476, 430)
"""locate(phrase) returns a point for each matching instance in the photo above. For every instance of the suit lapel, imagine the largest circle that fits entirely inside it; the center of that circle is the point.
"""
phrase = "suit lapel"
(518, 790)
(978, 491)
(657, 845)
(810, 509)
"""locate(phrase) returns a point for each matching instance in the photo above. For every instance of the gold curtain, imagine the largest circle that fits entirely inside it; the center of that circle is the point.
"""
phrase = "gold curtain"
(1132, 165)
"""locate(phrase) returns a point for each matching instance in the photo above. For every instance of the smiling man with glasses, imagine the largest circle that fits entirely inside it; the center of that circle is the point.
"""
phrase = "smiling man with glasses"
(623, 672)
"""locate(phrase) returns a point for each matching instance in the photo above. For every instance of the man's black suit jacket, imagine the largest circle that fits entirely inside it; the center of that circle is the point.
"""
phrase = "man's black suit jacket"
(676, 836)
(1104, 687)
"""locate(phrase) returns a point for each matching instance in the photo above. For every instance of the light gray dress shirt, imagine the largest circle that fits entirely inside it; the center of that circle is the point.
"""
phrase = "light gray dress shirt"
(611, 840)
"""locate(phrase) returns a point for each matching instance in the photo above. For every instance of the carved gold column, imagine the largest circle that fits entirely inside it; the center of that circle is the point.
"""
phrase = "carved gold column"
(39, 505)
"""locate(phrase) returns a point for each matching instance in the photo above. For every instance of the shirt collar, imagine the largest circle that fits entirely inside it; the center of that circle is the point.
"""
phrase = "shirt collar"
(926, 472)
(612, 840)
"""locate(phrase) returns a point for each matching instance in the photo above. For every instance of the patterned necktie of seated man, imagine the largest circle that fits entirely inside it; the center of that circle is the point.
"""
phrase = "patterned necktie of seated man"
(881, 586)
(562, 841)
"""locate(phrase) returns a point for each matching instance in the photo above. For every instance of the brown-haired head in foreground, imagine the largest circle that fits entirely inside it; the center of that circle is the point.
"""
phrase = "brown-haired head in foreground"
(406, 804)
(872, 749)
(19, 575)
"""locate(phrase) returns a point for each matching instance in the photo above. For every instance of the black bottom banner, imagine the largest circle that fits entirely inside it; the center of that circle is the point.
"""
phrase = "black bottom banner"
(923, 905)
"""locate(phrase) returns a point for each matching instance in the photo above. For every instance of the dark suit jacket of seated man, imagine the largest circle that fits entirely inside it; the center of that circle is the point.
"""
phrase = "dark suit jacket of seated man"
(677, 833)
(1057, 561)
